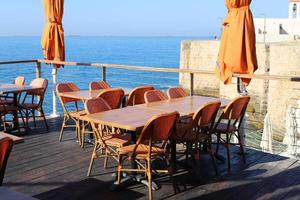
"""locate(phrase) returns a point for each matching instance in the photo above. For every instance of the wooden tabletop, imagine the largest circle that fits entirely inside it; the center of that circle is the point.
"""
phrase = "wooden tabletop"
(12, 88)
(185, 105)
(130, 118)
(16, 139)
(87, 94)
(133, 118)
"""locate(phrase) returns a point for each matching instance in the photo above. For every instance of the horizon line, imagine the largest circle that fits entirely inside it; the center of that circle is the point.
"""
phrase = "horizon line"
(113, 36)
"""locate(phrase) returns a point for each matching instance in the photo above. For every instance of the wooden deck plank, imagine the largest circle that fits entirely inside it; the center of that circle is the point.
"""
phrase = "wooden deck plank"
(45, 168)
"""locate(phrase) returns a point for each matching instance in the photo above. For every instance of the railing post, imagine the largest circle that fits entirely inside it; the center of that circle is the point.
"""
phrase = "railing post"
(191, 84)
(38, 71)
(103, 73)
(54, 102)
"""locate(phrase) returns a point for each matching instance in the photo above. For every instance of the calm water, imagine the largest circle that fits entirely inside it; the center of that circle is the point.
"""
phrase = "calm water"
(142, 51)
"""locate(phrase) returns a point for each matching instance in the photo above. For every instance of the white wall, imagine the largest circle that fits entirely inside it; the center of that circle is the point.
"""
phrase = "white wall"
(290, 29)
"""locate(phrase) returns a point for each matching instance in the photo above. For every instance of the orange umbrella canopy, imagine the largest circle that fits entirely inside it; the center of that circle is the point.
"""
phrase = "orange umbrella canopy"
(53, 43)
(237, 52)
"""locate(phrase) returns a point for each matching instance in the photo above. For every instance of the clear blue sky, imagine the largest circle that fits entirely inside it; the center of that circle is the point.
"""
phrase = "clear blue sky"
(129, 17)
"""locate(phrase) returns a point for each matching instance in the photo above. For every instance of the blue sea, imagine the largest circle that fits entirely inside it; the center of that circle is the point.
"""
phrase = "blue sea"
(138, 51)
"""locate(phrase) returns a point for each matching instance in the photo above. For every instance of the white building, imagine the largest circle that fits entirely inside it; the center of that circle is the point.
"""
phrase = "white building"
(279, 29)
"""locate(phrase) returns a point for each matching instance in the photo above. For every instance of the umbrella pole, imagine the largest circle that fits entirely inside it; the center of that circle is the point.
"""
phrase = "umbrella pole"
(54, 102)
(243, 92)
(241, 88)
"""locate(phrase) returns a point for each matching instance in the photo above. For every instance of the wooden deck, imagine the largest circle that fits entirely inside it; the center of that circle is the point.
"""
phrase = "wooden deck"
(44, 168)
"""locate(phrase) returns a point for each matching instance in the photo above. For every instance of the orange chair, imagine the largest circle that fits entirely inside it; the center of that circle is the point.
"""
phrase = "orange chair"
(151, 144)
(113, 97)
(7, 109)
(69, 115)
(174, 93)
(6, 145)
(229, 124)
(106, 141)
(199, 131)
(99, 85)
(20, 80)
(155, 95)
(29, 108)
(136, 96)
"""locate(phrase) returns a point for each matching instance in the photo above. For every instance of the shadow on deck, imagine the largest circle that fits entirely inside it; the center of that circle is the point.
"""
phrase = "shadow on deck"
(44, 168)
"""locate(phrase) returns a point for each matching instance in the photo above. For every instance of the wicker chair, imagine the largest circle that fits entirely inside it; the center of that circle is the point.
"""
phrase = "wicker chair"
(106, 141)
(113, 97)
(20, 80)
(155, 95)
(6, 145)
(229, 124)
(174, 93)
(99, 85)
(136, 96)
(157, 130)
(36, 103)
(199, 131)
(69, 115)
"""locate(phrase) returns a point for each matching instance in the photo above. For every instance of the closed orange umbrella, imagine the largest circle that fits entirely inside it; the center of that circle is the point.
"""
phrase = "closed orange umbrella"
(237, 52)
(53, 43)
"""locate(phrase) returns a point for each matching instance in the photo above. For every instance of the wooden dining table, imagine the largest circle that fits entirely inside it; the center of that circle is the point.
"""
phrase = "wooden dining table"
(8, 88)
(186, 106)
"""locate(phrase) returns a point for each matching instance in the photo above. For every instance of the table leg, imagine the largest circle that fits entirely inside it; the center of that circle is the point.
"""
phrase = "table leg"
(15, 113)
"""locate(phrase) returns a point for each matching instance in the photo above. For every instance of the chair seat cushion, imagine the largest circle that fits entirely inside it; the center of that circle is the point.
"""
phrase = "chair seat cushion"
(117, 140)
(141, 151)
(222, 127)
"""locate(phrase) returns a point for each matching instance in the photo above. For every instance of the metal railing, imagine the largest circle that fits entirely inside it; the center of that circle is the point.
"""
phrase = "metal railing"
(105, 73)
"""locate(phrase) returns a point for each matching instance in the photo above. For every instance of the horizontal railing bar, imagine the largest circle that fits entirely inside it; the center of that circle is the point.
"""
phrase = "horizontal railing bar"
(175, 70)
(156, 69)
(17, 61)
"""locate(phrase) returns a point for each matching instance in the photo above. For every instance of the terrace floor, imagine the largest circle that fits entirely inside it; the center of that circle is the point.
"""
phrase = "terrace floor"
(44, 168)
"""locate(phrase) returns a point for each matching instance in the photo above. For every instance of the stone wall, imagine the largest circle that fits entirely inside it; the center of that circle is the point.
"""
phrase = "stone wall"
(271, 96)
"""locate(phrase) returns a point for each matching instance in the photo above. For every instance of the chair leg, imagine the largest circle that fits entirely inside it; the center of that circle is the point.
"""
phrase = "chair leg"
(211, 153)
(228, 150)
(105, 159)
(218, 142)
(62, 129)
(44, 117)
(82, 134)
(27, 118)
(187, 151)
(94, 155)
(20, 111)
(149, 175)
(33, 116)
(241, 147)
(119, 169)
(77, 124)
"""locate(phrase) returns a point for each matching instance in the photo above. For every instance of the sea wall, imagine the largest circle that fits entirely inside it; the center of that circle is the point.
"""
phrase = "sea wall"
(272, 96)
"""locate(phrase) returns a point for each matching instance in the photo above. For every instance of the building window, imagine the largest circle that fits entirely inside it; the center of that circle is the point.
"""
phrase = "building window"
(295, 10)
(282, 31)
(259, 31)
